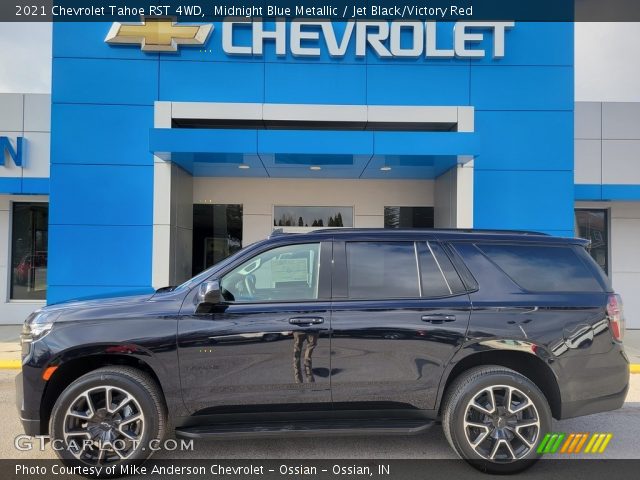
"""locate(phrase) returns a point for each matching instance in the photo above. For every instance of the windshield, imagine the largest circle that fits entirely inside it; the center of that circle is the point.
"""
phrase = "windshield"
(202, 276)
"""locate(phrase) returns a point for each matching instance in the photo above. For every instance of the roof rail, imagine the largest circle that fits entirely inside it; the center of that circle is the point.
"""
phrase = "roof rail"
(433, 230)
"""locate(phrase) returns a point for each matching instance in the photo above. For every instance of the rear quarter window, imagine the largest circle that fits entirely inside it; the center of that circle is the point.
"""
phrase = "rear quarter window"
(541, 268)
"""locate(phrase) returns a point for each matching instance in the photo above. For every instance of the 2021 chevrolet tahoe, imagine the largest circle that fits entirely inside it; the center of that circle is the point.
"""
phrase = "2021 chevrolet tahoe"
(339, 331)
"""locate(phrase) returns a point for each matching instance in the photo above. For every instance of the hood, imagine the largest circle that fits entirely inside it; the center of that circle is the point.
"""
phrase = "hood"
(109, 298)
(101, 301)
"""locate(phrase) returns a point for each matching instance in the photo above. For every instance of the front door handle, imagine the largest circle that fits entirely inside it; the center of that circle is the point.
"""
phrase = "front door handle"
(438, 318)
(306, 321)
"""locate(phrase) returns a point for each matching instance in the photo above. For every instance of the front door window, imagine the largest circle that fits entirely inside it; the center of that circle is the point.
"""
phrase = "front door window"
(282, 274)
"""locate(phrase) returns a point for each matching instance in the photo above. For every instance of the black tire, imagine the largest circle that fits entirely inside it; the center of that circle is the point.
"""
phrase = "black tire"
(148, 404)
(478, 384)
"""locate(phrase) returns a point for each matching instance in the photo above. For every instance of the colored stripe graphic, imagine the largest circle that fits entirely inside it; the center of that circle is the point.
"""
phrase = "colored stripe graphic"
(556, 446)
(551, 442)
(605, 444)
(600, 443)
(582, 441)
(573, 443)
(543, 443)
(590, 444)
(570, 439)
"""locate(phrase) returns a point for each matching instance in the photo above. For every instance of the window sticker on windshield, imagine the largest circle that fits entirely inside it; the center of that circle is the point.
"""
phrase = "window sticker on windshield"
(290, 270)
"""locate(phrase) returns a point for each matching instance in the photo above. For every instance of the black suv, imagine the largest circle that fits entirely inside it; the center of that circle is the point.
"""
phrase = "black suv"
(339, 331)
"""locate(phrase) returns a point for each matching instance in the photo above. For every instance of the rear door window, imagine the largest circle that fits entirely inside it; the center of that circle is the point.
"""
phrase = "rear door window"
(542, 268)
(382, 270)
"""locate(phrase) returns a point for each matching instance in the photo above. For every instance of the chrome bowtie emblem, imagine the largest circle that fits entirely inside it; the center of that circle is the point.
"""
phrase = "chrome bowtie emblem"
(155, 34)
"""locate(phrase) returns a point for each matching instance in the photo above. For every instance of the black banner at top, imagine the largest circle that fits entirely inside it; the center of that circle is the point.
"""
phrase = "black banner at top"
(335, 10)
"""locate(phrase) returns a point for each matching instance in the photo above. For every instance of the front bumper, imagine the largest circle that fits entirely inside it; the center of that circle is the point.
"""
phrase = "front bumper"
(30, 419)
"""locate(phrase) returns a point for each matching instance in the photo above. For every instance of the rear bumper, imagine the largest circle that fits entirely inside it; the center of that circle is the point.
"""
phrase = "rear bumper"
(600, 385)
(594, 405)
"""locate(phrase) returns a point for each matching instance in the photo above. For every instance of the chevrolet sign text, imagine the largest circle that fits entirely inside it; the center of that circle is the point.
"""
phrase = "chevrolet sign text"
(305, 37)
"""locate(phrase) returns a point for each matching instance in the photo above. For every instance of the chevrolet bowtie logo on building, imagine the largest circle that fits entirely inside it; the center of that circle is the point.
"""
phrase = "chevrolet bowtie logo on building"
(158, 34)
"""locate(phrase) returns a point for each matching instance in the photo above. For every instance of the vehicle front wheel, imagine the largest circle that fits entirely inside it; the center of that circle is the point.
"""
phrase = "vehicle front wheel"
(108, 416)
(494, 417)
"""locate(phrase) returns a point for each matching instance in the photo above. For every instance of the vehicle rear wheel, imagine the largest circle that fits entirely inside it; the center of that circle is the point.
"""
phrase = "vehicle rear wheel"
(494, 417)
(108, 417)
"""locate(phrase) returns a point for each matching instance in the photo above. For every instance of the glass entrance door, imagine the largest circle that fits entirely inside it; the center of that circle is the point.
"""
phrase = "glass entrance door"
(217, 233)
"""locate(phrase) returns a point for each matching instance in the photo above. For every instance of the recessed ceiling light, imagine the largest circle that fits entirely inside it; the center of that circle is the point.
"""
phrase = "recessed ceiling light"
(244, 166)
(315, 167)
(385, 169)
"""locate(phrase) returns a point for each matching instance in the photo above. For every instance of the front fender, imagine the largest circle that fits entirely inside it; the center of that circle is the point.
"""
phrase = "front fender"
(151, 343)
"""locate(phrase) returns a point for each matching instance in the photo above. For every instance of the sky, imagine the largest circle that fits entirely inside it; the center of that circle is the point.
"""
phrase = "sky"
(607, 62)
(25, 57)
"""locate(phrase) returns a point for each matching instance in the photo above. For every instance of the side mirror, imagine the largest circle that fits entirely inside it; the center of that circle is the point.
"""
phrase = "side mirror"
(209, 293)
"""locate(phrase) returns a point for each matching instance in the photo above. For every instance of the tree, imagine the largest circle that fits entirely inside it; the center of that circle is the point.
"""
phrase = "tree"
(300, 222)
(339, 220)
(391, 217)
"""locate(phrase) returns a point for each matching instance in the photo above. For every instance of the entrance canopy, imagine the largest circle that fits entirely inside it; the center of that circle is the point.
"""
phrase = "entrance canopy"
(315, 141)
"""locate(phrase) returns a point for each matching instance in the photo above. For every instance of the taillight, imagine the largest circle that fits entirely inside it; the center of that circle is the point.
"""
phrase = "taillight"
(615, 313)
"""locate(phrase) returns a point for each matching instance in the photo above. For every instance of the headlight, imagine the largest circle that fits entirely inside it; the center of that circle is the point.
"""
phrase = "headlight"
(36, 326)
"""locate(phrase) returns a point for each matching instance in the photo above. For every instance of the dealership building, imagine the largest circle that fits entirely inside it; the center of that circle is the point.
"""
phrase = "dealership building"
(163, 150)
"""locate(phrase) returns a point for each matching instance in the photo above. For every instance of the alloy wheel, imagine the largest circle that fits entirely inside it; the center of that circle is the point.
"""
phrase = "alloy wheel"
(103, 425)
(501, 424)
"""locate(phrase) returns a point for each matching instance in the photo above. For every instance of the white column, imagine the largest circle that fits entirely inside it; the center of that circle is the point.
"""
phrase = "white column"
(464, 195)
(161, 273)
(454, 197)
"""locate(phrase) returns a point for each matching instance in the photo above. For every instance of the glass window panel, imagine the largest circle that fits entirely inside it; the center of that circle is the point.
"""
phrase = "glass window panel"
(593, 225)
(382, 270)
(543, 269)
(283, 274)
(217, 234)
(29, 251)
(433, 282)
(448, 269)
(408, 217)
(313, 216)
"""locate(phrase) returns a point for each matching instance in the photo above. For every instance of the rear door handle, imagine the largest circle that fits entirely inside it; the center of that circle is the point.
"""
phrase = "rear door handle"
(438, 318)
(306, 321)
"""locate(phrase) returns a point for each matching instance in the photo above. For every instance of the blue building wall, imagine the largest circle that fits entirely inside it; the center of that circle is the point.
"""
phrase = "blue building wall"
(102, 169)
